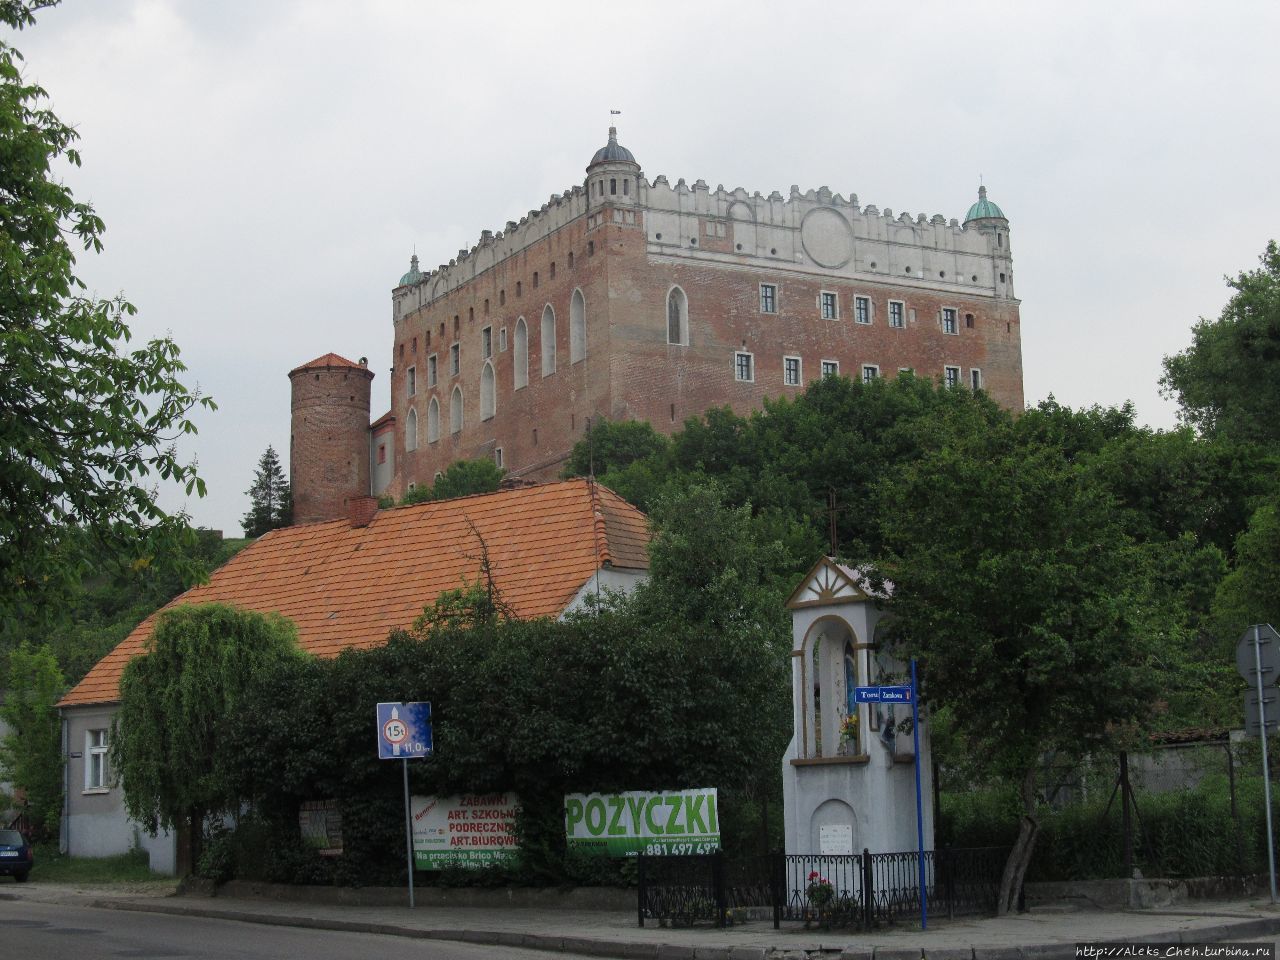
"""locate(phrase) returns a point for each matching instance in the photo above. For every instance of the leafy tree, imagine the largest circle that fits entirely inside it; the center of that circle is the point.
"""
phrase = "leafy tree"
(84, 417)
(30, 754)
(271, 505)
(1250, 593)
(1016, 584)
(1228, 381)
(175, 704)
(613, 445)
(460, 479)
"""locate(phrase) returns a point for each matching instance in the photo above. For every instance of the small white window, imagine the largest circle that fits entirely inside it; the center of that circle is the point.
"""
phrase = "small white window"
(744, 368)
(768, 298)
(96, 774)
(455, 361)
(791, 371)
(862, 309)
(949, 320)
(975, 378)
(411, 430)
(951, 375)
(870, 372)
(897, 309)
(829, 305)
(497, 457)
(830, 368)
(431, 370)
(411, 381)
(502, 340)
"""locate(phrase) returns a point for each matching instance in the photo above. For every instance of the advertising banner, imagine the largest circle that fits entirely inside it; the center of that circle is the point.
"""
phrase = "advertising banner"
(667, 823)
(470, 831)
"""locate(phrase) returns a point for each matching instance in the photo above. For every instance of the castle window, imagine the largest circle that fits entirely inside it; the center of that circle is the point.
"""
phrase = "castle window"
(519, 288)
(626, 187)
(768, 298)
(791, 371)
(968, 320)
(949, 320)
(455, 411)
(411, 430)
(677, 316)
(415, 344)
(870, 372)
(1002, 278)
(457, 322)
(402, 351)
(486, 342)
(896, 310)
(522, 355)
(830, 368)
(829, 305)
(433, 420)
(486, 306)
(488, 393)
(861, 310)
(577, 327)
(535, 436)
(411, 381)
(613, 186)
(502, 298)
(548, 341)
(744, 367)
(570, 259)
(431, 370)
(975, 378)
(999, 239)
(553, 269)
(535, 279)
(497, 457)
(471, 314)
(382, 453)
(591, 252)
(502, 340)
(428, 340)
(951, 376)
(455, 361)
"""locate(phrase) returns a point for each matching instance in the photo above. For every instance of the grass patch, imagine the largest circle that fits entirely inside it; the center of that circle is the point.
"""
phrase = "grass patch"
(54, 867)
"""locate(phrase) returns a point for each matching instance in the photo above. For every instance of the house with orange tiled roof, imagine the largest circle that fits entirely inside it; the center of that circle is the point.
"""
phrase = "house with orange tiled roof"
(349, 583)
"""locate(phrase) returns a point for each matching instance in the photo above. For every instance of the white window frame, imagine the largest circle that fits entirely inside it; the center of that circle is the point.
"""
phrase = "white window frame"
(830, 368)
(431, 371)
(947, 379)
(955, 321)
(799, 380)
(870, 368)
(773, 297)
(902, 314)
(857, 314)
(975, 378)
(497, 457)
(411, 381)
(682, 315)
(737, 367)
(502, 340)
(822, 304)
(455, 359)
(95, 754)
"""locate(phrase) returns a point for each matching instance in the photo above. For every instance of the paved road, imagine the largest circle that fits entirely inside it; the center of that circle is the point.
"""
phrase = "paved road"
(44, 931)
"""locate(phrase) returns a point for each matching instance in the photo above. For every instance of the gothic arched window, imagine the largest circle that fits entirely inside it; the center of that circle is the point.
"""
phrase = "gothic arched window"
(455, 411)
(411, 430)
(521, 359)
(548, 341)
(488, 393)
(677, 316)
(433, 420)
(577, 327)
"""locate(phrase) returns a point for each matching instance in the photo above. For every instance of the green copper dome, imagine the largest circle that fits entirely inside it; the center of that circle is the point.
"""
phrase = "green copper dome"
(984, 209)
(414, 274)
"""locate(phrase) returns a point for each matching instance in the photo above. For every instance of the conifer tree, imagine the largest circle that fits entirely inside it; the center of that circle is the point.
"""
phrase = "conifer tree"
(271, 504)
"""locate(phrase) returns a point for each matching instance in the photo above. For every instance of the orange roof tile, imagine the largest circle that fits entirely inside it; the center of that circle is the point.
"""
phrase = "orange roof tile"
(328, 360)
(347, 586)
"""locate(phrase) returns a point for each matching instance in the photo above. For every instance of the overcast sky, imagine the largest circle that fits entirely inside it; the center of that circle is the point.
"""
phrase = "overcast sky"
(266, 168)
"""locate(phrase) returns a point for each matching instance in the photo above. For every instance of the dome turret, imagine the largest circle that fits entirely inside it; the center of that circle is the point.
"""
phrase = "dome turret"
(984, 209)
(414, 274)
(612, 152)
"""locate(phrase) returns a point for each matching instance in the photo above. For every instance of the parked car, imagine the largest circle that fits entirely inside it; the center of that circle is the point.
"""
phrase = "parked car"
(16, 856)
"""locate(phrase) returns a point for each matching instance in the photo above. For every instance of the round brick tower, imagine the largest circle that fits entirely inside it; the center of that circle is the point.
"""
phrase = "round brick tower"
(329, 438)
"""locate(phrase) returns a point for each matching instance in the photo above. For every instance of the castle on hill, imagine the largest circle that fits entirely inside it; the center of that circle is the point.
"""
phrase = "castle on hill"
(625, 298)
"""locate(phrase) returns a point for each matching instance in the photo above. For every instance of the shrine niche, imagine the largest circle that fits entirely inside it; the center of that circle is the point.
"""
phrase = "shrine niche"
(848, 773)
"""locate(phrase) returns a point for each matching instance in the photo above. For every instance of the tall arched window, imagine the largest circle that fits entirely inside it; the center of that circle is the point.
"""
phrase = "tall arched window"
(521, 358)
(677, 316)
(577, 327)
(548, 341)
(411, 430)
(455, 411)
(488, 393)
(433, 420)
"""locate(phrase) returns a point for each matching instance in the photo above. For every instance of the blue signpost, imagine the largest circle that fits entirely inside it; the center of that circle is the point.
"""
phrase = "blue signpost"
(404, 732)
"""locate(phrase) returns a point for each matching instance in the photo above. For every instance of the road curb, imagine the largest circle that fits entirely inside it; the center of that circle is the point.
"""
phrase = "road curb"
(633, 950)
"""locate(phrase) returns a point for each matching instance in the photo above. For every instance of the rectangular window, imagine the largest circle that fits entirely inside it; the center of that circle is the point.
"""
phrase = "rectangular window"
(896, 310)
(415, 344)
(951, 376)
(431, 370)
(861, 310)
(535, 279)
(768, 298)
(744, 367)
(382, 453)
(975, 378)
(411, 381)
(486, 342)
(869, 372)
(454, 361)
(949, 320)
(502, 340)
(829, 305)
(791, 371)
(830, 368)
(96, 775)
(497, 457)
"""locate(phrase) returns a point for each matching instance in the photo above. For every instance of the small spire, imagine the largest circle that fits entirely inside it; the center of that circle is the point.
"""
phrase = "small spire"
(413, 262)
(613, 134)
(982, 193)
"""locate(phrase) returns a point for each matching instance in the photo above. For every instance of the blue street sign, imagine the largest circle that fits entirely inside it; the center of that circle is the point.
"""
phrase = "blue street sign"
(404, 731)
(882, 695)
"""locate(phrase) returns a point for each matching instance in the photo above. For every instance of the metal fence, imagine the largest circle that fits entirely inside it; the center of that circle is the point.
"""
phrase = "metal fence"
(860, 890)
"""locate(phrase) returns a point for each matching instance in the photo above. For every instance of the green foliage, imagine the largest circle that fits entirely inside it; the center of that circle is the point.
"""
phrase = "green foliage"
(86, 417)
(271, 506)
(612, 446)
(176, 702)
(30, 754)
(460, 479)
(1250, 593)
(1228, 381)
(133, 868)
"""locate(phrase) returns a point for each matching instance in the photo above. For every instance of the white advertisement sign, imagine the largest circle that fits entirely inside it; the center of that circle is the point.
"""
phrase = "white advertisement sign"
(472, 830)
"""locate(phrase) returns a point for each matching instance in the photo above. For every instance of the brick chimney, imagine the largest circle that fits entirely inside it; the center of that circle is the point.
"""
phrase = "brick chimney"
(361, 510)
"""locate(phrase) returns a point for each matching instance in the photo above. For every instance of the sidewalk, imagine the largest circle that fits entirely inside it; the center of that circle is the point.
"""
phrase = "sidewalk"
(1036, 936)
